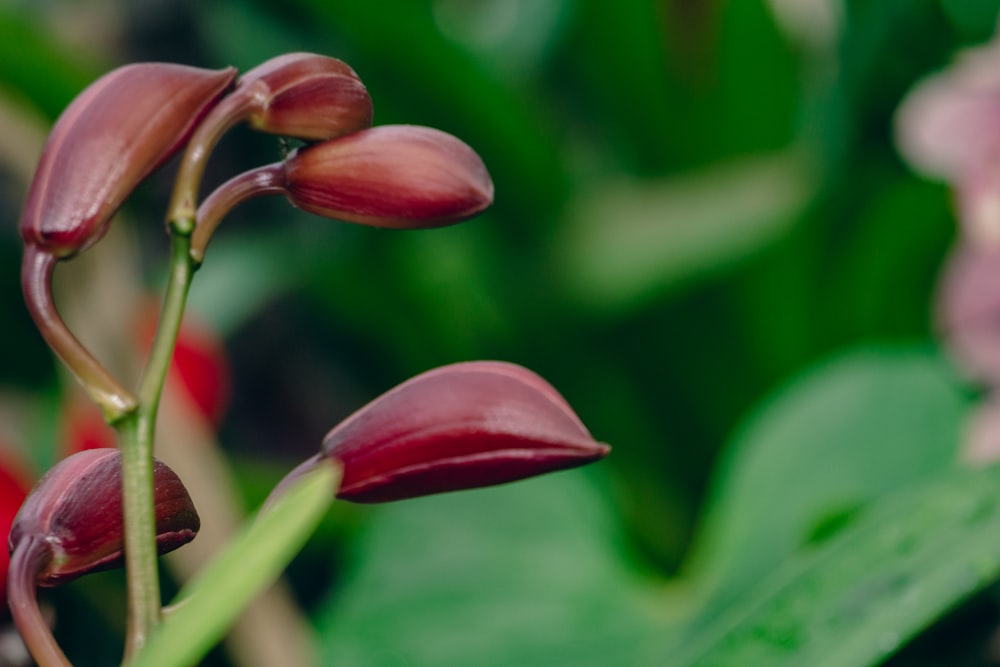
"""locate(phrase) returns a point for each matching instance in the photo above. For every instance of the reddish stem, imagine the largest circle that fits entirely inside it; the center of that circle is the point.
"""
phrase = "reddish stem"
(266, 180)
(28, 559)
(36, 282)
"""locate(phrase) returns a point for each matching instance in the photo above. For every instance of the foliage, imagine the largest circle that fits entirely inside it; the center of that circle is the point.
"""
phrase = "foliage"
(703, 236)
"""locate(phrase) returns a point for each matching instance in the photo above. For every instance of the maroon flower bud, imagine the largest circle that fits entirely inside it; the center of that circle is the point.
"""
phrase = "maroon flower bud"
(402, 176)
(306, 96)
(106, 142)
(458, 427)
(72, 520)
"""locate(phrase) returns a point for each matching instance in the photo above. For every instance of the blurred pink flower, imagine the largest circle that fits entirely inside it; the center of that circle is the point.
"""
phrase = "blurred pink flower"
(948, 128)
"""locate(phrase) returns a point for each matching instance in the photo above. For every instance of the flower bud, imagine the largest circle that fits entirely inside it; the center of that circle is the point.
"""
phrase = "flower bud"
(106, 142)
(401, 176)
(75, 514)
(458, 427)
(306, 96)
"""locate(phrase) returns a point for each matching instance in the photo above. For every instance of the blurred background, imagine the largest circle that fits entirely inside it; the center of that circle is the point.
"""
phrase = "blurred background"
(699, 208)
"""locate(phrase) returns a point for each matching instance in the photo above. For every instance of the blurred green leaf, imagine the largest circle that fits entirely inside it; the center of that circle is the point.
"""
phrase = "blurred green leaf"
(515, 35)
(438, 81)
(245, 34)
(632, 241)
(885, 47)
(889, 266)
(853, 601)
(975, 18)
(526, 574)
(38, 66)
(850, 431)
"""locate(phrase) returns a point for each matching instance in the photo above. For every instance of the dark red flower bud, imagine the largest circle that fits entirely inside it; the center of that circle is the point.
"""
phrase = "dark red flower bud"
(458, 427)
(402, 176)
(306, 96)
(73, 516)
(399, 176)
(106, 142)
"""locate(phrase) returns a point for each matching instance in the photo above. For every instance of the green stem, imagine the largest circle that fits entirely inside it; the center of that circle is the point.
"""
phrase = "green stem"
(136, 435)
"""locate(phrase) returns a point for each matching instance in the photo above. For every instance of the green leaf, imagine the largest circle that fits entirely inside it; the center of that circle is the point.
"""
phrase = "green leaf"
(525, 574)
(859, 426)
(633, 241)
(856, 599)
(974, 18)
(212, 601)
(36, 65)
(443, 84)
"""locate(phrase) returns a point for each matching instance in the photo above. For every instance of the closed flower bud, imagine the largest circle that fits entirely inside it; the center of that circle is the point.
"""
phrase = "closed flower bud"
(72, 521)
(106, 142)
(401, 176)
(458, 427)
(306, 96)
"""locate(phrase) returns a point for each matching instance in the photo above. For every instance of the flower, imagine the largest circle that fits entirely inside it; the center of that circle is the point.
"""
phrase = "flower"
(967, 308)
(106, 142)
(948, 128)
(305, 96)
(402, 176)
(398, 176)
(460, 426)
(72, 520)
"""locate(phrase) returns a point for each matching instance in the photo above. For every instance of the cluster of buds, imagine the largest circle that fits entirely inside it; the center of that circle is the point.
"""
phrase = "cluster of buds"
(457, 427)
(133, 119)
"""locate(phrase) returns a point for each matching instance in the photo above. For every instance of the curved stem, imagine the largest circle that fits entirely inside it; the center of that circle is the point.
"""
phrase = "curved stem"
(266, 180)
(231, 110)
(36, 282)
(27, 560)
(137, 456)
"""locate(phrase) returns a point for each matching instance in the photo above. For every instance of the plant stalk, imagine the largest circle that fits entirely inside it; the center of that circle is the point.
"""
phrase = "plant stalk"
(36, 281)
(136, 439)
